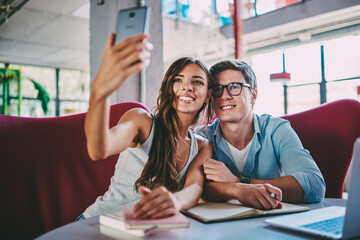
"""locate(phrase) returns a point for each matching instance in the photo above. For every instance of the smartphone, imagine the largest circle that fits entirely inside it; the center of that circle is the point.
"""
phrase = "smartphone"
(131, 22)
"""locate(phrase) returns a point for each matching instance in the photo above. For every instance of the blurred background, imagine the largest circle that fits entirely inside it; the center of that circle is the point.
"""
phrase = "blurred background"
(54, 48)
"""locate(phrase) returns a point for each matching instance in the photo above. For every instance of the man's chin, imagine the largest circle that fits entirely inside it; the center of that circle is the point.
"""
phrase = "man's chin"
(225, 117)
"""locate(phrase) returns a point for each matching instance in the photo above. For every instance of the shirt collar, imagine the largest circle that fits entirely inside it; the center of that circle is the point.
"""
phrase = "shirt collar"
(217, 131)
(256, 125)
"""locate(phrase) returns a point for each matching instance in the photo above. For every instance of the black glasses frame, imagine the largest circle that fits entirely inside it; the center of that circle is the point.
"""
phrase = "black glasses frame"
(227, 89)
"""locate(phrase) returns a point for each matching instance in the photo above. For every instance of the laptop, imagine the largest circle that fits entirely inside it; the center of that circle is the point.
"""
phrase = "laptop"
(331, 222)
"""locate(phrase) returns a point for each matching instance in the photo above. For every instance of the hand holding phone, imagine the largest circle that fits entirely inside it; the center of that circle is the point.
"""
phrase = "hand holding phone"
(131, 22)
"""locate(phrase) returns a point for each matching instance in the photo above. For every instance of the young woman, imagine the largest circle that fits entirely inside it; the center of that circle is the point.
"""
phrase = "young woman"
(160, 163)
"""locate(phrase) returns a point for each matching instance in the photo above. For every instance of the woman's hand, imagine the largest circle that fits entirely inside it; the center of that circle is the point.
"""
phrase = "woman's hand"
(157, 203)
(119, 61)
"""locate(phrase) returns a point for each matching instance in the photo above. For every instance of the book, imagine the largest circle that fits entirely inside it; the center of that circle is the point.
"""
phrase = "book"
(125, 222)
(113, 225)
(233, 210)
(175, 221)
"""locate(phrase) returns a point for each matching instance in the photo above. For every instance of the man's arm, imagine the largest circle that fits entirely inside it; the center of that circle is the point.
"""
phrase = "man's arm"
(261, 196)
(301, 172)
(290, 187)
(217, 171)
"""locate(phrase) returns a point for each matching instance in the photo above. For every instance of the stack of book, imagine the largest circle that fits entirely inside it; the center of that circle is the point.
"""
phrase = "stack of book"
(125, 222)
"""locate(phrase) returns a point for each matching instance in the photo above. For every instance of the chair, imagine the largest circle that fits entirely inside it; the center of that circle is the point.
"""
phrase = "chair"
(329, 132)
(47, 178)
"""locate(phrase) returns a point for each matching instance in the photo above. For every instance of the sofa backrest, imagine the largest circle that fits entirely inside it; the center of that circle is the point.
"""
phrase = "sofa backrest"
(329, 132)
(47, 178)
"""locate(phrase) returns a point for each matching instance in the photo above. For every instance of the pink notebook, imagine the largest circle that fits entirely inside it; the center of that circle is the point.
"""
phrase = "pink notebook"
(176, 221)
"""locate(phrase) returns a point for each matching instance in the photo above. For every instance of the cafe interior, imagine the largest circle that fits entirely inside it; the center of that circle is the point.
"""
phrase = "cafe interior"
(305, 54)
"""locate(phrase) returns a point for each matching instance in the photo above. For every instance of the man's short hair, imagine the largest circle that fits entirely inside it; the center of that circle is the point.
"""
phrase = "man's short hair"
(237, 65)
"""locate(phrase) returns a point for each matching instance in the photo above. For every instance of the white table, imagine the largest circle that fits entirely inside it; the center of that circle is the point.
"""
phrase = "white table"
(252, 228)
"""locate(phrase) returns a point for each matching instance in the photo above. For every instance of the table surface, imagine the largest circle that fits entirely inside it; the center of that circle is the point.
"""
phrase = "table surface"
(252, 228)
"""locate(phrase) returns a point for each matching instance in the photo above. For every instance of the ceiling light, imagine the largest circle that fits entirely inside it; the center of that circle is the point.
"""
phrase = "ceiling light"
(282, 77)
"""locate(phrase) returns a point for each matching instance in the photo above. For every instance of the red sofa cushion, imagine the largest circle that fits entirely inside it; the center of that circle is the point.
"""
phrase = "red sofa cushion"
(47, 178)
(329, 133)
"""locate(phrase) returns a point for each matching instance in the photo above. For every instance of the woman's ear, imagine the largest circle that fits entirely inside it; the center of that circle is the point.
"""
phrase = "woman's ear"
(208, 95)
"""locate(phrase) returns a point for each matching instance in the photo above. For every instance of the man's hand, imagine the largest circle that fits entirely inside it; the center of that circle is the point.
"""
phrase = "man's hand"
(157, 203)
(218, 172)
(261, 196)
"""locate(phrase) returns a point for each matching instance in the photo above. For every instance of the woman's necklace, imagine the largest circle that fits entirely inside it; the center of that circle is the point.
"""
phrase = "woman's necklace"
(177, 153)
(184, 141)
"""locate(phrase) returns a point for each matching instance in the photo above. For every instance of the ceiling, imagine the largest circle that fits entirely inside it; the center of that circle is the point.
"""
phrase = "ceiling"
(56, 33)
(49, 33)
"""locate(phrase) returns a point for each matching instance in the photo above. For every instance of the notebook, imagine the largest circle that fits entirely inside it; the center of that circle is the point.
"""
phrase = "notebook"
(332, 222)
(175, 221)
(233, 210)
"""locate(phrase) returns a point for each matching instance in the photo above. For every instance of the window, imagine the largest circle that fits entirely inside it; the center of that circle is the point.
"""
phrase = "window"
(73, 91)
(270, 97)
(264, 6)
(304, 64)
(343, 89)
(342, 58)
(301, 98)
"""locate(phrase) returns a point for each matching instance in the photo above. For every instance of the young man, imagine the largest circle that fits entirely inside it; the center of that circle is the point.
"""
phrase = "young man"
(261, 158)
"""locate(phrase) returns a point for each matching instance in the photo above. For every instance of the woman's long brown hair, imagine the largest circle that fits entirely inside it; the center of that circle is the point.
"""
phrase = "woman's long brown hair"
(160, 169)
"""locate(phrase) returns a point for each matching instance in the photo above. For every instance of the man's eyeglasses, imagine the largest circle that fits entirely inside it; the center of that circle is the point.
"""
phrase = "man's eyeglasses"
(234, 89)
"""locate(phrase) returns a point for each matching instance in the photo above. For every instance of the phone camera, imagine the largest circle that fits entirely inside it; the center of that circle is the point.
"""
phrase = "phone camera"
(132, 14)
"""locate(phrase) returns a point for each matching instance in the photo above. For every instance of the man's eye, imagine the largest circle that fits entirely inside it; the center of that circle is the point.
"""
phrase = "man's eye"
(234, 87)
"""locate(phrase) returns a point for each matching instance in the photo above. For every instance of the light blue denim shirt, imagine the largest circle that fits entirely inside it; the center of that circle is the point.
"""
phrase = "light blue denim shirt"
(276, 151)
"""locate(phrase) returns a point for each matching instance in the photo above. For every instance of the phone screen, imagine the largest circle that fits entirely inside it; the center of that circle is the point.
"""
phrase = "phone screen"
(131, 22)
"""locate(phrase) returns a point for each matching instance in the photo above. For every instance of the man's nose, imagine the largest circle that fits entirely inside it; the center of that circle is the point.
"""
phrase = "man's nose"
(225, 94)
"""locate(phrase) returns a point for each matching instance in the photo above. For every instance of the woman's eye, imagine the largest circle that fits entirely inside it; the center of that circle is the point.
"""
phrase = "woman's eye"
(177, 80)
(199, 82)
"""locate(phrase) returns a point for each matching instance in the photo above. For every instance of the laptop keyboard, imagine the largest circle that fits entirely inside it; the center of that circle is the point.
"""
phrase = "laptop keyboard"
(333, 225)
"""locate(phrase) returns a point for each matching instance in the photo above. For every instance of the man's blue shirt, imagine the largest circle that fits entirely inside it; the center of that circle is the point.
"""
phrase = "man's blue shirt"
(276, 151)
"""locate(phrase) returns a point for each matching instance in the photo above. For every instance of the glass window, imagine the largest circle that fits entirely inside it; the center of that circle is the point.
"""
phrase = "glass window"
(301, 98)
(304, 64)
(247, 9)
(32, 108)
(223, 11)
(343, 89)
(196, 11)
(342, 58)
(284, 3)
(270, 97)
(168, 7)
(69, 108)
(74, 84)
(43, 76)
(264, 6)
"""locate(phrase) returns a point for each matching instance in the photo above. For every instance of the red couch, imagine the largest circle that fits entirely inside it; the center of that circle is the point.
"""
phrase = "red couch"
(47, 178)
(329, 132)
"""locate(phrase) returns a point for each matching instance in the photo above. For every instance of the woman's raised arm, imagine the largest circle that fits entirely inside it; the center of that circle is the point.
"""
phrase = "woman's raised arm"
(119, 61)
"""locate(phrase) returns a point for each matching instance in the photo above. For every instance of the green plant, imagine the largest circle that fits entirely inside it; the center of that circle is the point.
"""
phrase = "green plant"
(7, 75)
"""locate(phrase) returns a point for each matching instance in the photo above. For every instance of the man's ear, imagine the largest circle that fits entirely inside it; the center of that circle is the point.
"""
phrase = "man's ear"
(253, 96)
(208, 95)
